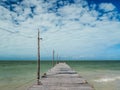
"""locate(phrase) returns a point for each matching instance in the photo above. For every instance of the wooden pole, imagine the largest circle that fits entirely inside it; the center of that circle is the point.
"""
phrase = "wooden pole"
(53, 58)
(57, 59)
(38, 72)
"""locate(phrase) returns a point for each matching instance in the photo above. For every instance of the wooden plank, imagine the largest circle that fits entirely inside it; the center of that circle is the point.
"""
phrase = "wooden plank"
(62, 77)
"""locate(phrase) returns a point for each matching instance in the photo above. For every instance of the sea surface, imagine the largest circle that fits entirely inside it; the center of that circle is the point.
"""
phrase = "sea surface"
(19, 75)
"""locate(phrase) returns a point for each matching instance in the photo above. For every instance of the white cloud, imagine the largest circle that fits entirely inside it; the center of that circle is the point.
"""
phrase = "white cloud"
(4, 14)
(107, 6)
(77, 32)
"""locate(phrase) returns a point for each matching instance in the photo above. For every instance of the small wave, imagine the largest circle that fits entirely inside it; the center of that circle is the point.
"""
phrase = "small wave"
(108, 79)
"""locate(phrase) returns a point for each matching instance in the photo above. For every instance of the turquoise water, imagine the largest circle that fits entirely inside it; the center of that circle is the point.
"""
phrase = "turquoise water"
(103, 75)
(19, 75)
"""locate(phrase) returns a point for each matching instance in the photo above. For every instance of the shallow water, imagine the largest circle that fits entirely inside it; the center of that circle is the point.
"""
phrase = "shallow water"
(19, 75)
(103, 75)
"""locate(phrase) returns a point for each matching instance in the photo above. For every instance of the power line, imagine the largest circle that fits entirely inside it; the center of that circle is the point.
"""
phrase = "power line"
(16, 32)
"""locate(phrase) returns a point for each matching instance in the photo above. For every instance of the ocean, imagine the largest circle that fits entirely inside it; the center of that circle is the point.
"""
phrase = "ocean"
(19, 75)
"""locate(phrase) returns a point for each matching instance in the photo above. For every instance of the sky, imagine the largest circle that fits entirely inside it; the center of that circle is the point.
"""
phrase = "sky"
(75, 29)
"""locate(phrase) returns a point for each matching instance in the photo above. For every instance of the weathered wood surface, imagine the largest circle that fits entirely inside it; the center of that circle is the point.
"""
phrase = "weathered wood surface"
(62, 77)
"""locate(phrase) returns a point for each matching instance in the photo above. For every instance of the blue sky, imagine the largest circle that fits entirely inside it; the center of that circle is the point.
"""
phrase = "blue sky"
(75, 29)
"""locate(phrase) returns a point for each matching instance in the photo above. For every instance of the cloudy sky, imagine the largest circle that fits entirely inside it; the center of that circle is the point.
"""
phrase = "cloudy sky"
(75, 29)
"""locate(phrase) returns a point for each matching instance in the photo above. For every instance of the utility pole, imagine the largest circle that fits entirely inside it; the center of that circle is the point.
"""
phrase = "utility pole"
(57, 59)
(38, 72)
(53, 58)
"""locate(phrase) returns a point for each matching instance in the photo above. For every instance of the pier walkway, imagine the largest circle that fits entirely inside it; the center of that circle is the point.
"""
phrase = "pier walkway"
(62, 77)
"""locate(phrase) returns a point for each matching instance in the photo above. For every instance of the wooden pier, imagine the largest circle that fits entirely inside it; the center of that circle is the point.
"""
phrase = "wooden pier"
(62, 77)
